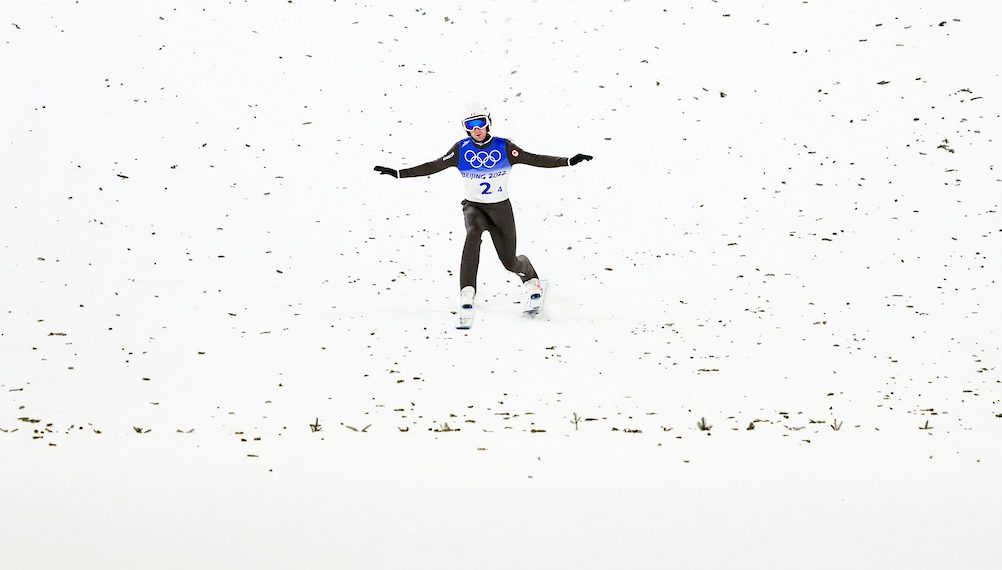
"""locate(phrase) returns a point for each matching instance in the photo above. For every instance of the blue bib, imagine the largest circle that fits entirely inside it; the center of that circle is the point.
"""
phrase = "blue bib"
(485, 170)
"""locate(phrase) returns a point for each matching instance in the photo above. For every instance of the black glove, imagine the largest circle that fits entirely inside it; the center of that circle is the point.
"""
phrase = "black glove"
(388, 171)
(578, 158)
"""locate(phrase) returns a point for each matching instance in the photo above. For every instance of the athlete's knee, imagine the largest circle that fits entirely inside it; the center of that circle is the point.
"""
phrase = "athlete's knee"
(476, 226)
(475, 234)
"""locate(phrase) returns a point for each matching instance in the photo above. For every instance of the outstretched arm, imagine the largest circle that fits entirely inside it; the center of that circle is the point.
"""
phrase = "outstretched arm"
(518, 156)
(450, 158)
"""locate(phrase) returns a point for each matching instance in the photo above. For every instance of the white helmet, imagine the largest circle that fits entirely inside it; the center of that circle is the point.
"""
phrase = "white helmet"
(474, 111)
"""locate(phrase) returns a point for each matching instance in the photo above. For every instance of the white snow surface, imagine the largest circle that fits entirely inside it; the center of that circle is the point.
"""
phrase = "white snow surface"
(227, 343)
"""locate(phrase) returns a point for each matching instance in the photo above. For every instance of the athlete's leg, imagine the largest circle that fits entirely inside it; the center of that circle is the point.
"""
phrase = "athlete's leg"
(502, 228)
(476, 223)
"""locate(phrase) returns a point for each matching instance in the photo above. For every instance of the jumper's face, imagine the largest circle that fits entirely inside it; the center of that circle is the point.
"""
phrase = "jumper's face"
(479, 134)
(477, 127)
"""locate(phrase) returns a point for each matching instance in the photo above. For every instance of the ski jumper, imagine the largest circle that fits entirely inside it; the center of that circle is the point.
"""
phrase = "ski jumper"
(485, 168)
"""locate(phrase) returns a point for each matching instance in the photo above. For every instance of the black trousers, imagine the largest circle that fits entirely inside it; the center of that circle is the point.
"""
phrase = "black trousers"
(499, 220)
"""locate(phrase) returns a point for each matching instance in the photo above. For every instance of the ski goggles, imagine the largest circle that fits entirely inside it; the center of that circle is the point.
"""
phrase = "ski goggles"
(475, 123)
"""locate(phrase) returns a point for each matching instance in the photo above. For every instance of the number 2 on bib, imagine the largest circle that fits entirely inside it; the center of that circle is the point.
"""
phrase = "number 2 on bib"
(487, 188)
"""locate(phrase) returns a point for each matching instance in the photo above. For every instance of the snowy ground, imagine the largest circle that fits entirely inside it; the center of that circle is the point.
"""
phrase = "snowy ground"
(227, 343)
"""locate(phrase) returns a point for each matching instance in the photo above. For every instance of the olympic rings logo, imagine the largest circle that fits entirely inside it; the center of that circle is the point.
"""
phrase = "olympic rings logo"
(483, 159)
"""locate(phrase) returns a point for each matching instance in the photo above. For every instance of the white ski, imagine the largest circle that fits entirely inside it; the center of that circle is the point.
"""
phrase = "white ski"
(534, 303)
(465, 317)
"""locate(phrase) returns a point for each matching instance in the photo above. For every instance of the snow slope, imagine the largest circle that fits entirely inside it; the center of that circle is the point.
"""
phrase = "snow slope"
(227, 343)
